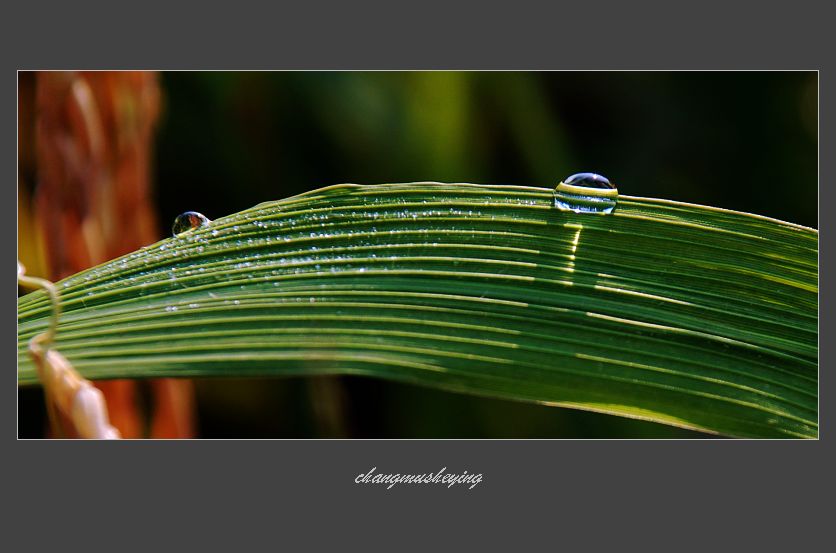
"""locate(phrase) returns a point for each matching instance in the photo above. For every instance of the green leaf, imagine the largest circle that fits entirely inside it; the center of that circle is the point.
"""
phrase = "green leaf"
(682, 314)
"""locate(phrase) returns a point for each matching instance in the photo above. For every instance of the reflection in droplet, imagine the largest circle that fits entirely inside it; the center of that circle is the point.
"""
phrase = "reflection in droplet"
(586, 193)
(187, 221)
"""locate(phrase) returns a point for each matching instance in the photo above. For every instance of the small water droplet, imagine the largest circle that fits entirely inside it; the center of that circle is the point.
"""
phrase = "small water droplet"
(586, 193)
(187, 221)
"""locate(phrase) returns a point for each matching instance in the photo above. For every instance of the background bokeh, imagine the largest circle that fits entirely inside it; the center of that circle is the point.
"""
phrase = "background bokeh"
(227, 141)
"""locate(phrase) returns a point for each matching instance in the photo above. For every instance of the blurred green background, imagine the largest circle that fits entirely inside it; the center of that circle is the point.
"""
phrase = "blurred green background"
(739, 140)
(730, 139)
(227, 141)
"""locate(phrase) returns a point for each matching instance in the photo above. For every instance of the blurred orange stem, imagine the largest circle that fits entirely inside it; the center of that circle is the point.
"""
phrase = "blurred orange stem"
(91, 170)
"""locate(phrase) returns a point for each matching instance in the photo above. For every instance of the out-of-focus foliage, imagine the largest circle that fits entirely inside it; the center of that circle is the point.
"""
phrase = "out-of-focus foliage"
(728, 139)
(86, 141)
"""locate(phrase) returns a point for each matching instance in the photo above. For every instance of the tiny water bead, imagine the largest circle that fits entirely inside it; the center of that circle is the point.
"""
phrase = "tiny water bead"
(187, 221)
(586, 193)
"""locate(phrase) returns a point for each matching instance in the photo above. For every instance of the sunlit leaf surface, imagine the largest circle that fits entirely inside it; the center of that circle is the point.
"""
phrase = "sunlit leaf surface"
(682, 314)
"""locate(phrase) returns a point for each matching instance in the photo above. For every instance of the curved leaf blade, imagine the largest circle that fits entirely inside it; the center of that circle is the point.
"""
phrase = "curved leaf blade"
(688, 315)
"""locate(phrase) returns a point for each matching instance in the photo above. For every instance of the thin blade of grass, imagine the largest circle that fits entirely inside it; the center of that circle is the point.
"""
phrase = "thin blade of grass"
(687, 315)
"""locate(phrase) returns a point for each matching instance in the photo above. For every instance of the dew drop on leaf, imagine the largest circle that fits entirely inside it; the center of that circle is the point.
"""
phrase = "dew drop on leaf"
(187, 221)
(586, 193)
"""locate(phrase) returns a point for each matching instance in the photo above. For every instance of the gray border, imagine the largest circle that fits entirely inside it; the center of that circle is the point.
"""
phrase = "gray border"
(601, 493)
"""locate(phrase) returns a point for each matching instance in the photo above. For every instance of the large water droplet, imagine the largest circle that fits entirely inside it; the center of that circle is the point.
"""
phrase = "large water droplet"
(187, 221)
(586, 193)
